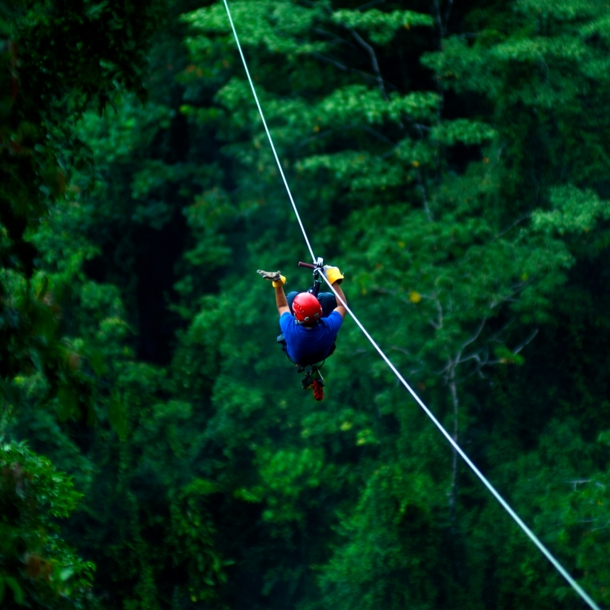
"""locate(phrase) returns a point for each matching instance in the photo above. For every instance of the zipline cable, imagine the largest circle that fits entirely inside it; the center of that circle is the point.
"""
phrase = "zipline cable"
(260, 111)
(583, 594)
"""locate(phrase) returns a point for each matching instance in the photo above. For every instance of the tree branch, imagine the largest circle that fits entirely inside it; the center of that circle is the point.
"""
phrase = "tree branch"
(422, 190)
(448, 13)
(526, 342)
(475, 336)
(439, 308)
(341, 66)
(512, 225)
(439, 20)
(373, 57)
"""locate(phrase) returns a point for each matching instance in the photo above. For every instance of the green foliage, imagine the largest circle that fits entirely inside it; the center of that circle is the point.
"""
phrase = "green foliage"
(263, 22)
(575, 212)
(56, 61)
(392, 537)
(101, 51)
(193, 537)
(37, 569)
(453, 162)
(381, 26)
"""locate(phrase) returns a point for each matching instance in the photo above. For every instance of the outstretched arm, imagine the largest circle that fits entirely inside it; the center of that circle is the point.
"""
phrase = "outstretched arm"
(280, 300)
(340, 309)
(335, 277)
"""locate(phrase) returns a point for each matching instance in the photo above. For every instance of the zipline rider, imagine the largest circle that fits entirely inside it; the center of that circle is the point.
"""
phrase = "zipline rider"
(309, 324)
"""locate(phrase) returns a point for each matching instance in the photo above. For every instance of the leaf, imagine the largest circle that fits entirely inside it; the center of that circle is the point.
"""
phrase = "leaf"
(463, 130)
(574, 210)
(65, 574)
(381, 27)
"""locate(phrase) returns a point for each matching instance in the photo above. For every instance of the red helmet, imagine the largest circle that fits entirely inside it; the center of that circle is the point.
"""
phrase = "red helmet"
(306, 308)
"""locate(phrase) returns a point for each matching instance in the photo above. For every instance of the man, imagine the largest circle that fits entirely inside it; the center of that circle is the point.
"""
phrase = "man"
(310, 325)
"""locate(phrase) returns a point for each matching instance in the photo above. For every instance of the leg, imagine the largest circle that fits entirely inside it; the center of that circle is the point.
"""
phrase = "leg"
(328, 302)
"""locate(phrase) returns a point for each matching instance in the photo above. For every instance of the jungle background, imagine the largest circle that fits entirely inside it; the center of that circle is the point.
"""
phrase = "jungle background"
(157, 451)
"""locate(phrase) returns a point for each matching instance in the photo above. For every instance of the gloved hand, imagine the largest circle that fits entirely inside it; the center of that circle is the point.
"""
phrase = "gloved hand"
(276, 278)
(333, 274)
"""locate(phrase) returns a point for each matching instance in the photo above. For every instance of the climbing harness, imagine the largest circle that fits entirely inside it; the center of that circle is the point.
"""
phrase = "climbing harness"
(313, 377)
(583, 594)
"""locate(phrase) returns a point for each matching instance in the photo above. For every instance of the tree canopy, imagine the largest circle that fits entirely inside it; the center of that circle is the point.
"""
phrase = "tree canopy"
(156, 448)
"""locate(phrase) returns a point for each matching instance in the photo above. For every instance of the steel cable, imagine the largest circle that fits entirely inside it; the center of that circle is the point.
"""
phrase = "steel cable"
(260, 111)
